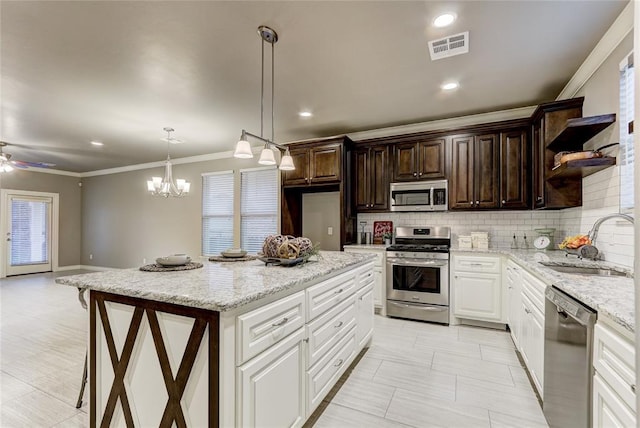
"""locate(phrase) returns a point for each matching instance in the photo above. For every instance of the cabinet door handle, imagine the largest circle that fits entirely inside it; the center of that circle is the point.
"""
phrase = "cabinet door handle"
(339, 291)
(338, 363)
(504, 202)
(633, 388)
(527, 310)
(415, 174)
(471, 202)
(539, 198)
(477, 202)
(420, 174)
(282, 322)
(338, 325)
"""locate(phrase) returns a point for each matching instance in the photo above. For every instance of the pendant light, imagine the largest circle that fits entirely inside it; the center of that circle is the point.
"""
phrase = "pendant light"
(243, 148)
(165, 187)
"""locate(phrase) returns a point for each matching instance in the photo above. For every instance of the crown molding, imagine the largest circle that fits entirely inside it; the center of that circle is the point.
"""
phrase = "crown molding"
(434, 125)
(611, 39)
(53, 171)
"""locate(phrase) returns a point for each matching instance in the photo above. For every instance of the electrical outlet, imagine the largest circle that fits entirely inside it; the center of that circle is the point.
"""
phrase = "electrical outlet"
(330, 231)
(90, 256)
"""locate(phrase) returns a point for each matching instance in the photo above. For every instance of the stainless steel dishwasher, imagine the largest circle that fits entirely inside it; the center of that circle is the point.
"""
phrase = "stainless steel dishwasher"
(568, 370)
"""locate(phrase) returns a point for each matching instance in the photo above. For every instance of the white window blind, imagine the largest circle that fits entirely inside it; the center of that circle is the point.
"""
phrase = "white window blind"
(29, 232)
(258, 207)
(626, 139)
(217, 213)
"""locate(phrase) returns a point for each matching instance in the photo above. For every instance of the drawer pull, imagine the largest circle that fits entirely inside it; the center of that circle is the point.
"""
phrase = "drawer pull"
(280, 323)
(527, 310)
(476, 264)
(338, 325)
(340, 290)
(338, 363)
(633, 388)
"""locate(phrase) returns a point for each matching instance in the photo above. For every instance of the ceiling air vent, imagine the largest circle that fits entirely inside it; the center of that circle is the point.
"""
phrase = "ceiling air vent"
(449, 46)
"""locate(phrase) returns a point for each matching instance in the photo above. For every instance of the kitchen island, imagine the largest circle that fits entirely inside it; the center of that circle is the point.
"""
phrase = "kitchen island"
(230, 344)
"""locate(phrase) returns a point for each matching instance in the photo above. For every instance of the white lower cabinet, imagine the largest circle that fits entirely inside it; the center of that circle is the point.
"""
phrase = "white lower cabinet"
(477, 288)
(532, 340)
(379, 273)
(282, 374)
(614, 396)
(514, 301)
(272, 387)
(364, 308)
(324, 374)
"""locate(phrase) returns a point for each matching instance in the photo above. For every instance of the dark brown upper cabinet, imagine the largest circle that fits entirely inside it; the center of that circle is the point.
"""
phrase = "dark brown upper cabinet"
(371, 172)
(319, 164)
(419, 160)
(513, 169)
(474, 172)
(548, 121)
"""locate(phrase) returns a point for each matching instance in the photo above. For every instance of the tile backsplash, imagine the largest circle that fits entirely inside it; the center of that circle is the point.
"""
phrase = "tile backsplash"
(501, 225)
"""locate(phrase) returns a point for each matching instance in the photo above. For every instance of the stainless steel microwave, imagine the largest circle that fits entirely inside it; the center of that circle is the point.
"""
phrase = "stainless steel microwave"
(420, 196)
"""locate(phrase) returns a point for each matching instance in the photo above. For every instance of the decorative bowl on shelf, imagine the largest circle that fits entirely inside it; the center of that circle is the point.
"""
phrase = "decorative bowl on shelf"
(173, 260)
(233, 253)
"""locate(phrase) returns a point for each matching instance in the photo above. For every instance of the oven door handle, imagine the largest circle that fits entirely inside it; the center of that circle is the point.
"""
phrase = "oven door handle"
(419, 263)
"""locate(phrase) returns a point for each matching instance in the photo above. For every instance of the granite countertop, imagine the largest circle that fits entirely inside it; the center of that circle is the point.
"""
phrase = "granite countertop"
(368, 246)
(612, 296)
(217, 286)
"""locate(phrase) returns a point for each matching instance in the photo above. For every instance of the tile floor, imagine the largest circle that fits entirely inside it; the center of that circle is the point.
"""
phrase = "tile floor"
(414, 374)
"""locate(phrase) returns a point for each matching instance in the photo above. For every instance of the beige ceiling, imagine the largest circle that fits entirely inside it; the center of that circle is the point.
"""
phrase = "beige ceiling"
(119, 72)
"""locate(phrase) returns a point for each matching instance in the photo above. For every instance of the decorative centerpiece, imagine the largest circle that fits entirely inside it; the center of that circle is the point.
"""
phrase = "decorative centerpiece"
(287, 250)
(579, 245)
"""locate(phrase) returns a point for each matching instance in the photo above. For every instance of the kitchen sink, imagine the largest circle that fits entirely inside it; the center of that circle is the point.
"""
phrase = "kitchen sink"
(583, 270)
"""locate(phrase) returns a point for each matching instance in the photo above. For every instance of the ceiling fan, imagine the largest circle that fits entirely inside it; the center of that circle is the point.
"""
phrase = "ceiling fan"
(6, 164)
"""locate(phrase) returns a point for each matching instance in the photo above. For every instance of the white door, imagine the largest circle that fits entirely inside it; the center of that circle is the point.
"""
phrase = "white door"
(28, 232)
(477, 296)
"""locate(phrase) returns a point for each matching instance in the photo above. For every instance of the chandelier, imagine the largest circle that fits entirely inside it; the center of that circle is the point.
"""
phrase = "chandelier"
(165, 187)
(243, 148)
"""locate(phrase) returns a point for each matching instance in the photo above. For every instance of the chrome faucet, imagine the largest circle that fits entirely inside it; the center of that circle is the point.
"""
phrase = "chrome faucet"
(593, 234)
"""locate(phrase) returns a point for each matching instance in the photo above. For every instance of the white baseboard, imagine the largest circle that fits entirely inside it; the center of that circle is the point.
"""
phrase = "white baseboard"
(82, 267)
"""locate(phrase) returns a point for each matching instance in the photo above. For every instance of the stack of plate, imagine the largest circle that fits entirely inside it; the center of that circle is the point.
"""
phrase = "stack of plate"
(233, 253)
(173, 260)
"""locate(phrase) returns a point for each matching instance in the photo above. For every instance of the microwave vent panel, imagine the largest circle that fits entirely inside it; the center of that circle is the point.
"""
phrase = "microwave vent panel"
(456, 44)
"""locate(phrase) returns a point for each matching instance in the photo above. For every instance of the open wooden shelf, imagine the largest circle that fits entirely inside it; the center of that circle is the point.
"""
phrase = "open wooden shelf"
(580, 130)
(581, 168)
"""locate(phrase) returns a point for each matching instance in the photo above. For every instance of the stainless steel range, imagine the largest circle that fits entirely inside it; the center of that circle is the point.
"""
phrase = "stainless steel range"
(418, 274)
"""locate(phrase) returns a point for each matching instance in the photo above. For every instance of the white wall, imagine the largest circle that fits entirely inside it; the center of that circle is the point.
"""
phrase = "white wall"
(601, 191)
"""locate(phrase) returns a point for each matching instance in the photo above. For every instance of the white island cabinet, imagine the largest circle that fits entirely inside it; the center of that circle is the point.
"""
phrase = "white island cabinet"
(230, 344)
(379, 292)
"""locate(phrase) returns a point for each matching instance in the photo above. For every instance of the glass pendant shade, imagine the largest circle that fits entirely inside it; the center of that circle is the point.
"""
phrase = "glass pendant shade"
(243, 150)
(286, 163)
(267, 157)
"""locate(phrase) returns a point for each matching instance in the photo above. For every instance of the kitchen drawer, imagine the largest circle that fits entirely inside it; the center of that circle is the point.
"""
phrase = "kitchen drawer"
(261, 328)
(534, 289)
(324, 296)
(486, 264)
(614, 360)
(608, 410)
(323, 375)
(366, 275)
(380, 255)
(326, 330)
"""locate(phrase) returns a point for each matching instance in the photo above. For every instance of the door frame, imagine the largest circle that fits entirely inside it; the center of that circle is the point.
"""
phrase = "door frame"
(5, 194)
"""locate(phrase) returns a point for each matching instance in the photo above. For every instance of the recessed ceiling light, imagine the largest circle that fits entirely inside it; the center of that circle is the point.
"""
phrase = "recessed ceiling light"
(444, 20)
(449, 86)
(97, 143)
(305, 114)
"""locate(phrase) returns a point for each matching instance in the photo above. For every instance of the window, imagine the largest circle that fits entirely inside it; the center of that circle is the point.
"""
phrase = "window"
(258, 207)
(248, 199)
(626, 138)
(217, 212)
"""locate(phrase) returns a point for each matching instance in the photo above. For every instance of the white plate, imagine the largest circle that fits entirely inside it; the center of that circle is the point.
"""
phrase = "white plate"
(234, 254)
